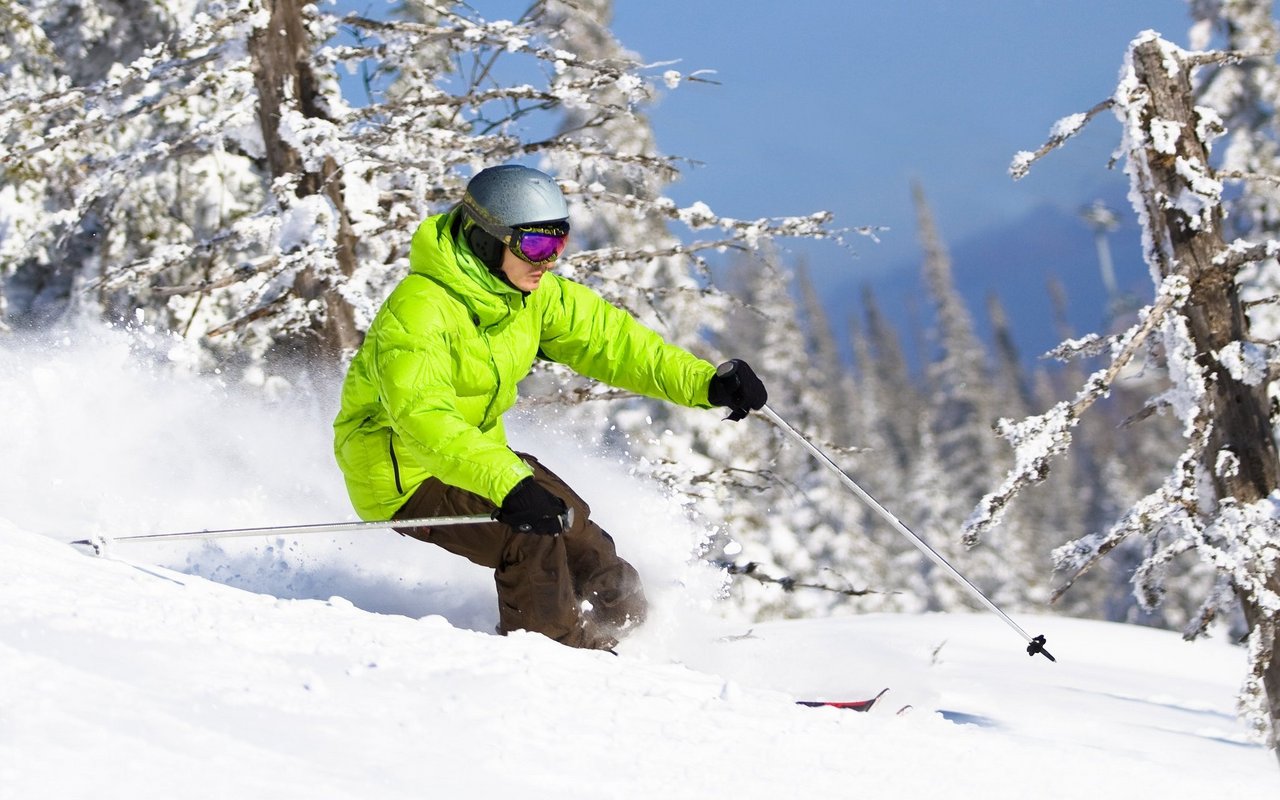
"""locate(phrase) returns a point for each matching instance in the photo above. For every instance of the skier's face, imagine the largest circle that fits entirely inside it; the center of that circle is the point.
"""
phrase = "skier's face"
(523, 275)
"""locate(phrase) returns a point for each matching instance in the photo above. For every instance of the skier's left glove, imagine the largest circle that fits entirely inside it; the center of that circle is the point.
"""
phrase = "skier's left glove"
(737, 386)
(529, 508)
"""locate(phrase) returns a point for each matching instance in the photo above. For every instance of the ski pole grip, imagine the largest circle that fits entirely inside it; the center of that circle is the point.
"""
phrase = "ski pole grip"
(728, 375)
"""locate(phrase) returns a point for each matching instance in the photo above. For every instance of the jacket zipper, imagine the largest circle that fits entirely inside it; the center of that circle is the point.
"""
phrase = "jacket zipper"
(395, 465)
(497, 376)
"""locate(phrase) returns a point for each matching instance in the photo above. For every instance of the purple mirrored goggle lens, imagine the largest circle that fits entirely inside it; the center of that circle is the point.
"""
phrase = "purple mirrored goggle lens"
(540, 247)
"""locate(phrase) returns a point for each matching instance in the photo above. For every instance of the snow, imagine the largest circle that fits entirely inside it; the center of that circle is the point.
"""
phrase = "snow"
(1068, 126)
(1202, 195)
(1247, 362)
(1021, 163)
(1164, 136)
(309, 220)
(365, 666)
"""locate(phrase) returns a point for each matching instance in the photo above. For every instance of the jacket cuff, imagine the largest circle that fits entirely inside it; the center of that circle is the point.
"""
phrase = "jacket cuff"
(509, 479)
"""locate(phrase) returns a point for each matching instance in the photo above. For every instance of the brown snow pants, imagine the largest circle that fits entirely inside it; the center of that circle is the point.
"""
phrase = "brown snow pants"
(572, 588)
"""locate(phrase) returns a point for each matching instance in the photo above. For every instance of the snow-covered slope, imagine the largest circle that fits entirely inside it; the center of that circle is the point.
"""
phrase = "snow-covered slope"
(130, 681)
(365, 667)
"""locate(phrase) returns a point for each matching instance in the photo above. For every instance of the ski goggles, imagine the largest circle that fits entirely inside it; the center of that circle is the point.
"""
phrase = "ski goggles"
(537, 244)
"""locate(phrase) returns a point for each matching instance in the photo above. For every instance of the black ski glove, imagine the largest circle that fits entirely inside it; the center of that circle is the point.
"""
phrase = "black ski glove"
(736, 385)
(531, 509)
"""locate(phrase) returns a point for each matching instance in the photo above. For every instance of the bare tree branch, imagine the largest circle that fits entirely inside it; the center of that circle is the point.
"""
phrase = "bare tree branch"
(1062, 131)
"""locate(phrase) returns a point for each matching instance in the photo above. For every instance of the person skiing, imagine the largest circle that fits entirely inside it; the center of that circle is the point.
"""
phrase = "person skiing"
(420, 434)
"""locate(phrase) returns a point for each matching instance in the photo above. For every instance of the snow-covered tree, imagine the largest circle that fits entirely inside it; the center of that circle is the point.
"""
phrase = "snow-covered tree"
(959, 454)
(49, 51)
(888, 442)
(28, 65)
(889, 395)
(1219, 499)
(958, 377)
(1012, 383)
(800, 526)
(223, 188)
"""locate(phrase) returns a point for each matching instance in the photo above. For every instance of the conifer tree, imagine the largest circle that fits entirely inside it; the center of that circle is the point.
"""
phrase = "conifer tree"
(833, 386)
(958, 451)
(29, 65)
(763, 327)
(891, 391)
(1013, 385)
(958, 377)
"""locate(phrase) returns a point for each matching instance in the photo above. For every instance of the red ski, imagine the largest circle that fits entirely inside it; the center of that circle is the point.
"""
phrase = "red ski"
(850, 705)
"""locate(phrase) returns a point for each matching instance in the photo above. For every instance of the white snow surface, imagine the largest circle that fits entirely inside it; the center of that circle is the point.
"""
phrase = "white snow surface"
(365, 666)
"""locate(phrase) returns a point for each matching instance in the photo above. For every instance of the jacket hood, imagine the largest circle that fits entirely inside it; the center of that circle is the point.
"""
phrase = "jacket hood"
(436, 254)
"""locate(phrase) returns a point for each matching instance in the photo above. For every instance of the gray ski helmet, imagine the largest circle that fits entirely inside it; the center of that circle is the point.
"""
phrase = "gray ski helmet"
(506, 197)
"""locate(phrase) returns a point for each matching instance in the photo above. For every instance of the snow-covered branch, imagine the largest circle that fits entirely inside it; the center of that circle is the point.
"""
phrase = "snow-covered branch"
(752, 570)
(1170, 510)
(1059, 134)
(1038, 439)
(1218, 57)
(1240, 253)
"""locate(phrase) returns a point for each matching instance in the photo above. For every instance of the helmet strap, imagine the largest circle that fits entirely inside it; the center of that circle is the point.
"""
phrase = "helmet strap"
(486, 247)
(489, 249)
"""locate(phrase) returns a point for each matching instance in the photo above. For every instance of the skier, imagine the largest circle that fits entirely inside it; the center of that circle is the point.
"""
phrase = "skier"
(420, 432)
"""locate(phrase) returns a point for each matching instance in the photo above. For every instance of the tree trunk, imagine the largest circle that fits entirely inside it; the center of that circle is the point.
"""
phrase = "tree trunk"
(282, 74)
(1187, 244)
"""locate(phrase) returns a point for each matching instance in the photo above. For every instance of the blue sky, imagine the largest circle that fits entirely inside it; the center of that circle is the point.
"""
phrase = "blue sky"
(840, 104)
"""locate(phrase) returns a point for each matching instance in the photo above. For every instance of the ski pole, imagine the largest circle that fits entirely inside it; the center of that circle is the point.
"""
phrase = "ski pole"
(1034, 645)
(288, 530)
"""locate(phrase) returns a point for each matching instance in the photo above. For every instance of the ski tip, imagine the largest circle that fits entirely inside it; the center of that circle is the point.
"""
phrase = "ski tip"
(849, 705)
(93, 547)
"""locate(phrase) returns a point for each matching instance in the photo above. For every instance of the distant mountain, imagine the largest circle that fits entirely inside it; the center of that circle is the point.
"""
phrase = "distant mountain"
(1017, 263)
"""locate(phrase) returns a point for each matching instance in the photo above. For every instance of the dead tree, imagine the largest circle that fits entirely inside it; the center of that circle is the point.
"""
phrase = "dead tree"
(1220, 499)
(1184, 226)
(284, 77)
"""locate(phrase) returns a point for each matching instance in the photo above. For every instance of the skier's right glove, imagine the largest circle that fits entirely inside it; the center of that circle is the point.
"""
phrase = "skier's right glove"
(736, 385)
(529, 508)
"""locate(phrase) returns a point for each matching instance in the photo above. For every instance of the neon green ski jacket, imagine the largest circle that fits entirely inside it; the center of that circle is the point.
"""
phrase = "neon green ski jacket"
(425, 393)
